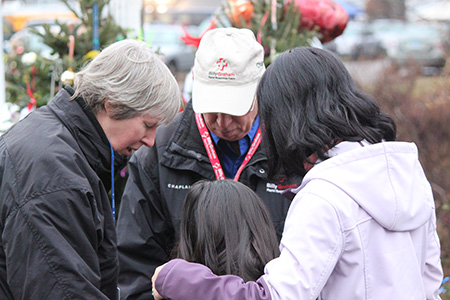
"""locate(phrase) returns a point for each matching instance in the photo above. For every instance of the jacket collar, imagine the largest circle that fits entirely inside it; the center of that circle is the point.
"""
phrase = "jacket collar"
(187, 135)
(86, 130)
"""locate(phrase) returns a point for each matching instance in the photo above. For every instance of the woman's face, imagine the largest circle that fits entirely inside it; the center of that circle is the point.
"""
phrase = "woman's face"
(128, 135)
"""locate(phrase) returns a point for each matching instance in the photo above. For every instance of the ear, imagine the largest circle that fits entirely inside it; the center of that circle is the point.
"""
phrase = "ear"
(107, 107)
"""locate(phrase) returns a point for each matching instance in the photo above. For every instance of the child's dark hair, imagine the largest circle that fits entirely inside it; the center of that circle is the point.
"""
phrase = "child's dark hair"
(308, 102)
(227, 227)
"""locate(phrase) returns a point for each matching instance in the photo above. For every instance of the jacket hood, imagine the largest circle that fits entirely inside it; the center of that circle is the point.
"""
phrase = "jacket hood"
(385, 179)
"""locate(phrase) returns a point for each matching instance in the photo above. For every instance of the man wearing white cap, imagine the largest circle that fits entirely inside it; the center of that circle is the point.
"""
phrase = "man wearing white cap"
(216, 137)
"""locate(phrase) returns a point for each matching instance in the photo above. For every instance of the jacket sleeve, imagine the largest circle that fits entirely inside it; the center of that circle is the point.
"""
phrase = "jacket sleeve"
(301, 271)
(433, 273)
(181, 280)
(143, 232)
(53, 248)
(311, 245)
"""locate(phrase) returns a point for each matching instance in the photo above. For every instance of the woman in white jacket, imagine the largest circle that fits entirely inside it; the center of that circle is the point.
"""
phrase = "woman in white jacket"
(361, 226)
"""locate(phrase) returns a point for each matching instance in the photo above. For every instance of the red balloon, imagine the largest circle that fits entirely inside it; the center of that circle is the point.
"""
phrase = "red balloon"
(330, 17)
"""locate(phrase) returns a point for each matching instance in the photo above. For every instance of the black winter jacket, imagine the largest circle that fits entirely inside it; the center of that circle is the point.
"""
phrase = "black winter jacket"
(151, 207)
(58, 238)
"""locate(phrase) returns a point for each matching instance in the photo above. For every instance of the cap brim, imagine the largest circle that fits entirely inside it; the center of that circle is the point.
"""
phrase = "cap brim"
(229, 99)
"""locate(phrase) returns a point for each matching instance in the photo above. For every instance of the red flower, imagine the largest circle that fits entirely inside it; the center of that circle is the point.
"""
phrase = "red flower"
(188, 39)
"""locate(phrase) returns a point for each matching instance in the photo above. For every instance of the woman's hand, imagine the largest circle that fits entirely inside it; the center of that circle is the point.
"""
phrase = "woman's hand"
(155, 293)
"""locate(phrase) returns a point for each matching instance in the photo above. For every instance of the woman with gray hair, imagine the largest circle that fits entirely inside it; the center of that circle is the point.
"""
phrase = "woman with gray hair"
(133, 79)
(57, 166)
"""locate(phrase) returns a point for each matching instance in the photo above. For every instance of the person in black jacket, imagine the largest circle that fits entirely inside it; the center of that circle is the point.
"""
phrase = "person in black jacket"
(57, 228)
(217, 136)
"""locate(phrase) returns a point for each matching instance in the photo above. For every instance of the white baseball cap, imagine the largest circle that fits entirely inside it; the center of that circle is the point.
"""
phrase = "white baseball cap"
(228, 66)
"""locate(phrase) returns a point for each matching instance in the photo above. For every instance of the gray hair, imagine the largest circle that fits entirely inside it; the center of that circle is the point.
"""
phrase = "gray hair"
(133, 79)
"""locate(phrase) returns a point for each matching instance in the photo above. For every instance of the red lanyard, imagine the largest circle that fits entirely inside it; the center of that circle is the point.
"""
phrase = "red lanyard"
(214, 159)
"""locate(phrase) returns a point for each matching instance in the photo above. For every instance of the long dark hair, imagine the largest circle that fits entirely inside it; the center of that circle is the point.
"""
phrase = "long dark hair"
(227, 227)
(308, 102)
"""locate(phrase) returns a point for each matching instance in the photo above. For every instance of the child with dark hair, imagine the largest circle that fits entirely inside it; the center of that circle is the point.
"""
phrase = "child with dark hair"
(361, 226)
(227, 227)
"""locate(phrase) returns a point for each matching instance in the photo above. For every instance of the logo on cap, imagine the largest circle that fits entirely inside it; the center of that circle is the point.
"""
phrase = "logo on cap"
(220, 74)
(221, 63)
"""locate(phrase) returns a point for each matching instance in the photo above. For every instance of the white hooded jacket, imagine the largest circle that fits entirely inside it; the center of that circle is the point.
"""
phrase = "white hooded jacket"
(362, 226)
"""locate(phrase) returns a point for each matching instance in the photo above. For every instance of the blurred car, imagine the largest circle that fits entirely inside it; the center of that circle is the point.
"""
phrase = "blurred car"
(421, 44)
(387, 31)
(412, 43)
(357, 41)
(165, 40)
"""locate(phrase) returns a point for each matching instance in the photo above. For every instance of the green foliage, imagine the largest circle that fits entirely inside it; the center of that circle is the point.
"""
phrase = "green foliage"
(109, 31)
(56, 36)
(445, 296)
(37, 76)
(7, 29)
(276, 37)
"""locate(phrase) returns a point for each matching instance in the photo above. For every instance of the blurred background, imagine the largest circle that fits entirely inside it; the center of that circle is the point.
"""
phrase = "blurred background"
(397, 33)
(396, 50)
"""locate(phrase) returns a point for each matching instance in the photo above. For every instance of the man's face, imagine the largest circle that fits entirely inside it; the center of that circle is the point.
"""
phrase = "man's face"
(231, 128)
